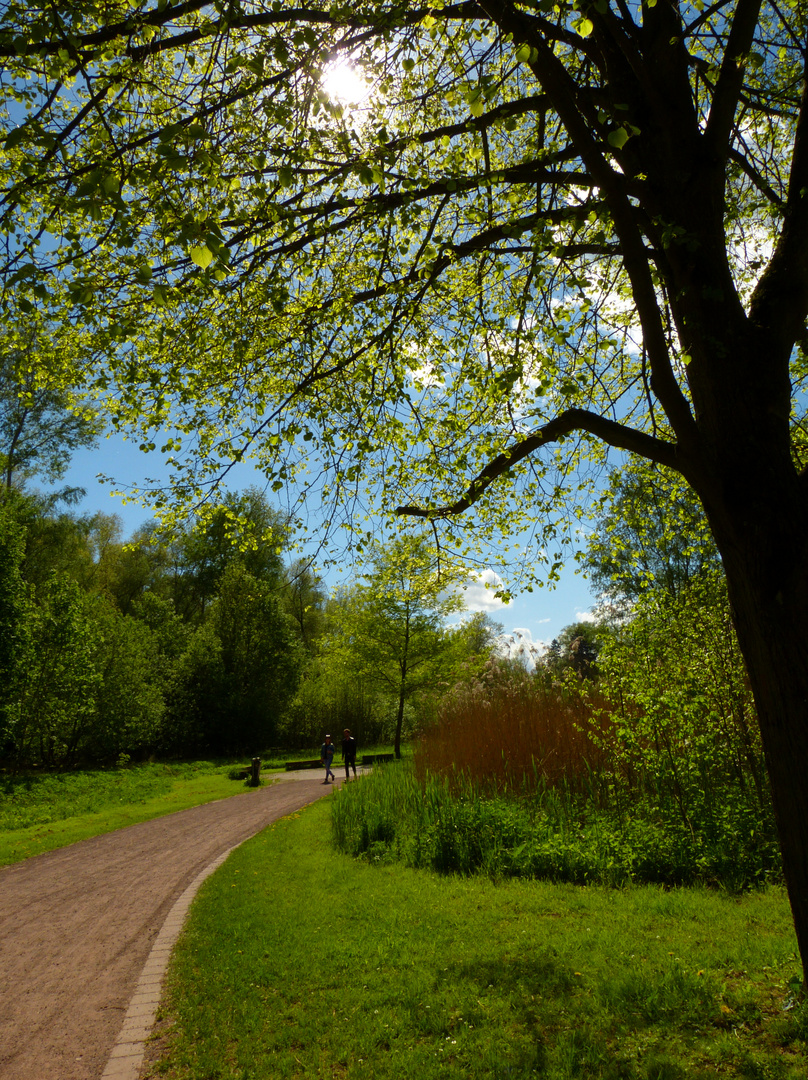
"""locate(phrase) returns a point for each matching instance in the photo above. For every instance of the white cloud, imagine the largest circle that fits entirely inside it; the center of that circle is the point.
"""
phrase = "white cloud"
(585, 616)
(479, 594)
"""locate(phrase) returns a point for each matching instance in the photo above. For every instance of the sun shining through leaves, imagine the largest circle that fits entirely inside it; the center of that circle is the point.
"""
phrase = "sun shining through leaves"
(344, 83)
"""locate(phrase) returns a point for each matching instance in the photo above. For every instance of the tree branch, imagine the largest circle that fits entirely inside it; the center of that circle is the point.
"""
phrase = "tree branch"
(82, 46)
(557, 81)
(730, 78)
(780, 299)
(611, 432)
(758, 181)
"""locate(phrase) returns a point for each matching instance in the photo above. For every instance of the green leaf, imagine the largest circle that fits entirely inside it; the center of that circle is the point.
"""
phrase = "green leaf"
(201, 255)
(15, 137)
(618, 138)
(475, 101)
(26, 271)
(585, 27)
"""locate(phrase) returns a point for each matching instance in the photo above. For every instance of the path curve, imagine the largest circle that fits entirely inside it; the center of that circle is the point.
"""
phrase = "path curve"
(77, 926)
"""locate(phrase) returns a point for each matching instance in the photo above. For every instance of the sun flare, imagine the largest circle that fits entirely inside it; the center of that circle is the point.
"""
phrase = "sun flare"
(344, 83)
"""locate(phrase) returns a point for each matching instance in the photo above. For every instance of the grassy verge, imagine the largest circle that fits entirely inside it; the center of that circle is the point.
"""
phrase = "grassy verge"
(45, 811)
(298, 962)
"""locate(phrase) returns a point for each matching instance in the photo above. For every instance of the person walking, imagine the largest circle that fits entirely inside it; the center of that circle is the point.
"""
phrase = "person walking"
(326, 757)
(349, 752)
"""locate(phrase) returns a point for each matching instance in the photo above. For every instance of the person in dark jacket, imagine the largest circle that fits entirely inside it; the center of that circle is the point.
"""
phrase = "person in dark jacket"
(349, 752)
(326, 757)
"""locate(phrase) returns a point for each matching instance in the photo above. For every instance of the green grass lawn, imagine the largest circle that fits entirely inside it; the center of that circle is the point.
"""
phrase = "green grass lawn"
(299, 962)
(44, 811)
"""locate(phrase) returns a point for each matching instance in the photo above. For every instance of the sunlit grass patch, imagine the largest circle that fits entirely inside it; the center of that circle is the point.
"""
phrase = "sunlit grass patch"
(40, 798)
(41, 812)
(300, 962)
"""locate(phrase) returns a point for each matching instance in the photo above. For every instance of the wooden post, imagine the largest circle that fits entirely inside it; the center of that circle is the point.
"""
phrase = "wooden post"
(255, 772)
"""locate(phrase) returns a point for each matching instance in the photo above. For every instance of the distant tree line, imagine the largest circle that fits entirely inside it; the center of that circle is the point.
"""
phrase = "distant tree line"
(205, 640)
(156, 646)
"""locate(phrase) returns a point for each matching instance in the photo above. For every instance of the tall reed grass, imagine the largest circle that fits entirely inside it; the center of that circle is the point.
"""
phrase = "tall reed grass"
(514, 733)
(428, 822)
(521, 778)
(509, 732)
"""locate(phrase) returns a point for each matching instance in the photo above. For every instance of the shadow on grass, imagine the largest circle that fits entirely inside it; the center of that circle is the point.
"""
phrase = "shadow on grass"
(537, 976)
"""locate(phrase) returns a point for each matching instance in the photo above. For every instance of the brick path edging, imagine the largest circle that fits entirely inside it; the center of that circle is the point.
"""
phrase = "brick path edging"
(127, 1055)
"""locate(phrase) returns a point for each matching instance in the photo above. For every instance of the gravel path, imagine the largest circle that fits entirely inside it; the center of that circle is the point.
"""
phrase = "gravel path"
(77, 926)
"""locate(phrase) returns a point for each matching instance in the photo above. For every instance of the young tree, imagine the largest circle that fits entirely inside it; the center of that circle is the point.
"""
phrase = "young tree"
(576, 649)
(130, 573)
(304, 596)
(650, 533)
(547, 230)
(14, 626)
(391, 630)
(332, 697)
(244, 530)
(682, 706)
(58, 701)
(84, 547)
(475, 638)
(241, 670)
(129, 700)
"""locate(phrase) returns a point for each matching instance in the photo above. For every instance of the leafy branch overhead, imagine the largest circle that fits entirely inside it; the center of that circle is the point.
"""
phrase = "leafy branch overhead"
(509, 212)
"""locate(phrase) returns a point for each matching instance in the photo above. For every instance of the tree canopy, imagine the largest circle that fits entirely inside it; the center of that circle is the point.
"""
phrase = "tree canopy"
(548, 229)
(390, 631)
(41, 421)
(497, 250)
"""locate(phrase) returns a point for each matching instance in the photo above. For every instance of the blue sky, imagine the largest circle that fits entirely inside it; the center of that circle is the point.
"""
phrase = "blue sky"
(539, 615)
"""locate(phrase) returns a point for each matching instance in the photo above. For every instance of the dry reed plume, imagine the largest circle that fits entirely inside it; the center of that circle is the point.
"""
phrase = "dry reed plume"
(507, 732)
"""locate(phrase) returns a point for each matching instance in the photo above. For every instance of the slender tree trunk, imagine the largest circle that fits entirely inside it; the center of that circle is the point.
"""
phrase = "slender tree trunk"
(11, 459)
(404, 668)
(402, 696)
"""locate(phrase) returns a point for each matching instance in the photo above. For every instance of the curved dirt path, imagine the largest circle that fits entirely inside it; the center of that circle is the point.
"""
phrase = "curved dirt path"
(77, 926)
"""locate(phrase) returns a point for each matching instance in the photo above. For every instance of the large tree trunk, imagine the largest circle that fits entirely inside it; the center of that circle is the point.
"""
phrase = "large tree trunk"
(758, 510)
(771, 631)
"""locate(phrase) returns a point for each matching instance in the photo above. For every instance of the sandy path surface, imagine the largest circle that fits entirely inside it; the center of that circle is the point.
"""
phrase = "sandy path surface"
(77, 926)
